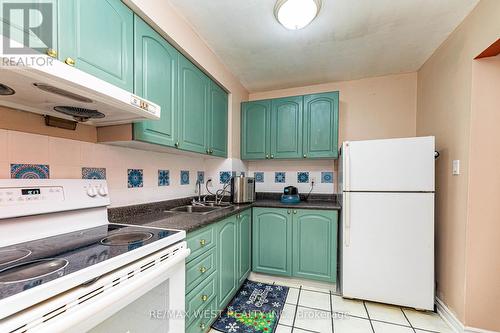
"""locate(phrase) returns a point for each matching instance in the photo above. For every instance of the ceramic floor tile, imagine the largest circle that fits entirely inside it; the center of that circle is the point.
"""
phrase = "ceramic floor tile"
(315, 300)
(352, 325)
(287, 315)
(390, 328)
(313, 320)
(388, 313)
(427, 320)
(348, 306)
(293, 296)
(298, 330)
(324, 289)
(283, 329)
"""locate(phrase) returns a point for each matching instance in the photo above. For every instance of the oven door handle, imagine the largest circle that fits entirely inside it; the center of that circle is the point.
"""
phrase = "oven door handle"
(89, 314)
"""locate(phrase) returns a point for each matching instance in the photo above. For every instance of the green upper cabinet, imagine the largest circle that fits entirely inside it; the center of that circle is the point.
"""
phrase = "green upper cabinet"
(156, 64)
(255, 130)
(217, 131)
(321, 123)
(97, 36)
(272, 241)
(194, 87)
(227, 259)
(286, 127)
(244, 244)
(291, 127)
(315, 245)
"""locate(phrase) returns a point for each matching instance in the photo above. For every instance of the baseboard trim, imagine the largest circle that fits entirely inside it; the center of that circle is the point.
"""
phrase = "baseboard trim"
(453, 321)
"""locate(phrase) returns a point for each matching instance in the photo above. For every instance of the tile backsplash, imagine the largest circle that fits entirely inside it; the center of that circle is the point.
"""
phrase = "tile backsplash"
(133, 176)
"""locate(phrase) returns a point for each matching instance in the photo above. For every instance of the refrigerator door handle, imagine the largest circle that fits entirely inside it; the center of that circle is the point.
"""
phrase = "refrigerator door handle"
(347, 221)
(346, 167)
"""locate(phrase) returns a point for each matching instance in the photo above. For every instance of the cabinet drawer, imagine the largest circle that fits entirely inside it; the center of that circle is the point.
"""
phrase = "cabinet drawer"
(197, 270)
(204, 318)
(200, 241)
(200, 296)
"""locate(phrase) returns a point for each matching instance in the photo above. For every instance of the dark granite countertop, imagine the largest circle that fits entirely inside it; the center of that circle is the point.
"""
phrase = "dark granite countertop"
(157, 214)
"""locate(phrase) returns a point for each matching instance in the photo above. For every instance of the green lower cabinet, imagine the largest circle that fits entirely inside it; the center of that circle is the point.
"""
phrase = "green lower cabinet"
(272, 241)
(315, 245)
(227, 259)
(300, 243)
(244, 245)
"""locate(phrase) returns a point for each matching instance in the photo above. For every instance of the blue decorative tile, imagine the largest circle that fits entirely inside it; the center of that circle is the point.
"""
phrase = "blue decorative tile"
(327, 177)
(279, 177)
(259, 177)
(184, 177)
(201, 177)
(302, 177)
(29, 171)
(93, 173)
(135, 178)
(163, 178)
(224, 177)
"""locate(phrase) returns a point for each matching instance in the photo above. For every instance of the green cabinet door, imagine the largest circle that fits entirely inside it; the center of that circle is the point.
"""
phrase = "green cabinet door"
(156, 64)
(315, 245)
(244, 245)
(255, 130)
(217, 132)
(272, 241)
(194, 89)
(286, 127)
(98, 35)
(227, 259)
(321, 123)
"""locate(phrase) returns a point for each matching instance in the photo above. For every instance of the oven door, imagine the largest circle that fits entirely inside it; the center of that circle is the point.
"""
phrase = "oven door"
(146, 296)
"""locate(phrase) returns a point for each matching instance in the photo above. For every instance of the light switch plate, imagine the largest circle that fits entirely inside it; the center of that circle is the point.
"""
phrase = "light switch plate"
(456, 167)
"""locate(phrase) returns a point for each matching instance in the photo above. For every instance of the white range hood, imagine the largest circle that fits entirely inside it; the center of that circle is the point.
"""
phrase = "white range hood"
(50, 87)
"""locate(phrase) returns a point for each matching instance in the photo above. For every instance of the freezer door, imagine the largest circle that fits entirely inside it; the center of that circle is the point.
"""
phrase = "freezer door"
(388, 248)
(389, 165)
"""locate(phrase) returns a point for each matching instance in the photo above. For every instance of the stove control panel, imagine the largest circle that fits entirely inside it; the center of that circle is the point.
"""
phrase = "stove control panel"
(25, 197)
(16, 196)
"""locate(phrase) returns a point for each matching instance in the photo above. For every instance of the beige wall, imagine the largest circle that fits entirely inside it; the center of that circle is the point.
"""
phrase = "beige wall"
(179, 32)
(444, 110)
(373, 108)
(482, 297)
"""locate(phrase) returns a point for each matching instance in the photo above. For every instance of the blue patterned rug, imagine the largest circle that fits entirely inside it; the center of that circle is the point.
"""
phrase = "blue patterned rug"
(256, 308)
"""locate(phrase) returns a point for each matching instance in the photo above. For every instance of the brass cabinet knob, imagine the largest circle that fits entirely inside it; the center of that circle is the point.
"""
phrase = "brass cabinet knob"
(208, 151)
(203, 242)
(176, 144)
(70, 61)
(288, 211)
(267, 156)
(202, 326)
(52, 53)
(204, 298)
(272, 156)
(203, 269)
(295, 212)
(211, 151)
(305, 156)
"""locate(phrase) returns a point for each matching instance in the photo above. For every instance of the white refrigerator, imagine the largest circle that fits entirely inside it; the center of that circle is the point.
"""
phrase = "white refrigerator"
(387, 225)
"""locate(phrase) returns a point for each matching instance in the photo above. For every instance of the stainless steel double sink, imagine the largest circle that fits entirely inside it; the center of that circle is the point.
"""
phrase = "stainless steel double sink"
(200, 209)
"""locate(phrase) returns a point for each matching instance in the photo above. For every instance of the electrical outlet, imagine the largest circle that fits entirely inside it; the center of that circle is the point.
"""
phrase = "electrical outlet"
(456, 167)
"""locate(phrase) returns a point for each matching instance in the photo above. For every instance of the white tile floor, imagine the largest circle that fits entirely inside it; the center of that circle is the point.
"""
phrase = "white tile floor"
(315, 308)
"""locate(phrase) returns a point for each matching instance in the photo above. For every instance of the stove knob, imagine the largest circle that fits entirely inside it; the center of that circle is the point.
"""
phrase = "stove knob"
(103, 191)
(91, 192)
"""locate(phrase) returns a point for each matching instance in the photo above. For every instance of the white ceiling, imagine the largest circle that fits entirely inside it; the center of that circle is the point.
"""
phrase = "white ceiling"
(350, 39)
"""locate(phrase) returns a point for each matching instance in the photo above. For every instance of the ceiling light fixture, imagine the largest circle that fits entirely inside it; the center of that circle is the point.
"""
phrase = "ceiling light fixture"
(296, 14)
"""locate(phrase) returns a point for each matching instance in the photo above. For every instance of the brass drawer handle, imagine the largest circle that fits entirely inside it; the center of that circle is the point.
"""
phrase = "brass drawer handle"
(70, 61)
(203, 270)
(203, 242)
(52, 53)
(204, 298)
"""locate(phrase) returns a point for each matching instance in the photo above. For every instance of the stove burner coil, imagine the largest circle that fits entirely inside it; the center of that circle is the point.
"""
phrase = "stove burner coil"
(126, 238)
